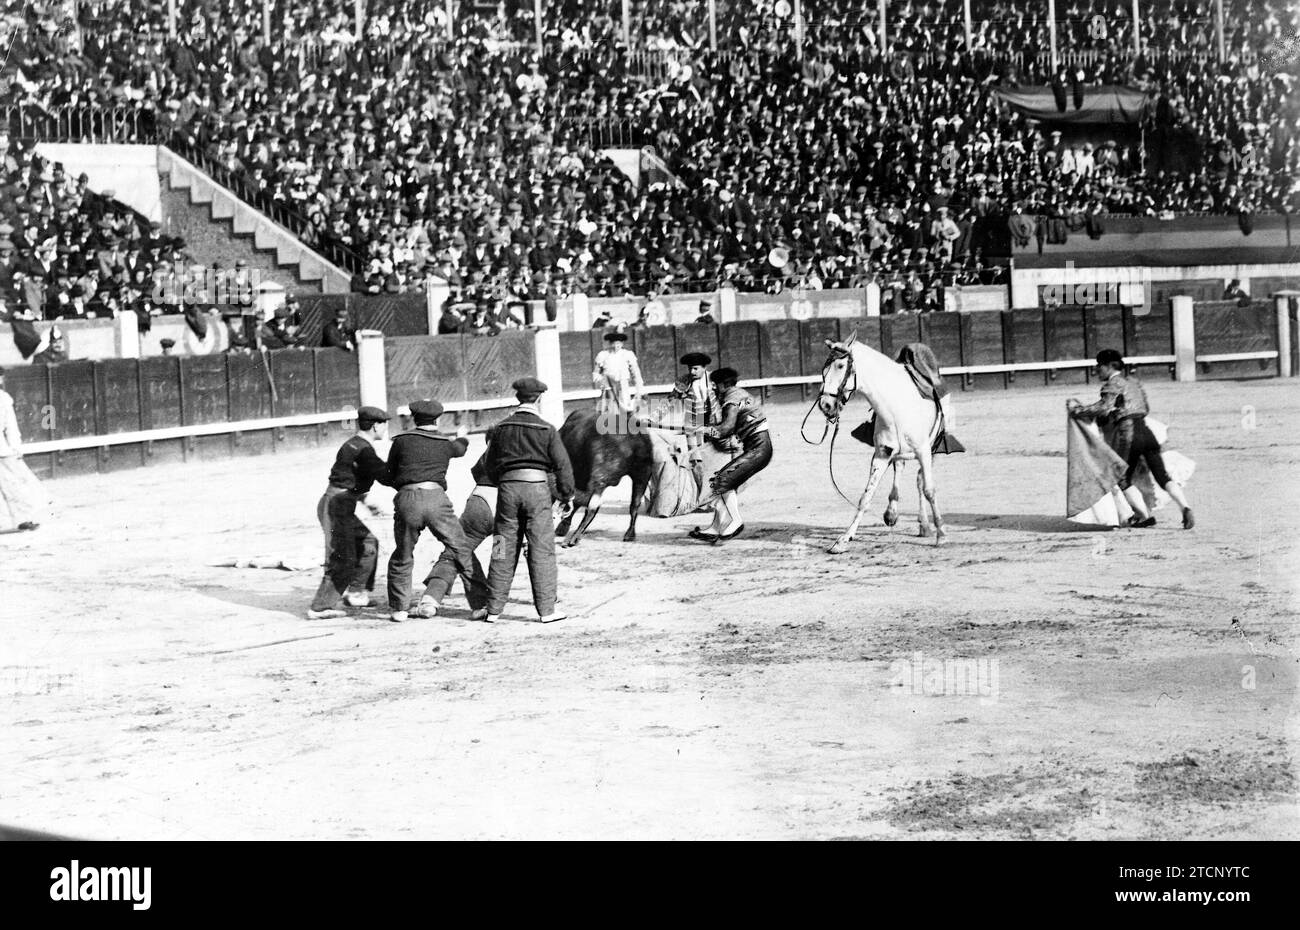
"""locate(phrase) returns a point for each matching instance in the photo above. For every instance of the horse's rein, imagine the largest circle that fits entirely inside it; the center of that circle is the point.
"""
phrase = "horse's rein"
(843, 395)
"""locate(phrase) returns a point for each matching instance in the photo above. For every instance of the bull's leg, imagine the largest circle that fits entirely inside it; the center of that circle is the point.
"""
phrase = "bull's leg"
(891, 511)
(588, 514)
(579, 501)
(638, 492)
(878, 465)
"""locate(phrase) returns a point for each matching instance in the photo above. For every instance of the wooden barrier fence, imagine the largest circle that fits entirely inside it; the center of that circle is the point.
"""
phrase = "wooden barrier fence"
(119, 413)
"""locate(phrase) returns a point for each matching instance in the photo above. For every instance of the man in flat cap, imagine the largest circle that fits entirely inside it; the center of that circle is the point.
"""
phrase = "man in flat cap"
(524, 451)
(351, 550)
(618, 376)
(417, 467)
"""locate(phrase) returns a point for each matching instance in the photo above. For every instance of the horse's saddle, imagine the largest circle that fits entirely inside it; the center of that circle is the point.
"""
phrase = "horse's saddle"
(921, 364)
(944, 442)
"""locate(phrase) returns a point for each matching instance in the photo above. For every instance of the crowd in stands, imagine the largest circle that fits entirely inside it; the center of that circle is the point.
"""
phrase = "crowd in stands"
(458, 152)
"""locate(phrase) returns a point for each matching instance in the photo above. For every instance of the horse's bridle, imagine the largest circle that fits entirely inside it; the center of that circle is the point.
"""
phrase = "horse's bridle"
(846, 390)
(842, 397)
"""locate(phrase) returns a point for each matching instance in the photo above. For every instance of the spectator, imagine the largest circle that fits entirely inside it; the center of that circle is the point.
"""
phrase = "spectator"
(339, 333)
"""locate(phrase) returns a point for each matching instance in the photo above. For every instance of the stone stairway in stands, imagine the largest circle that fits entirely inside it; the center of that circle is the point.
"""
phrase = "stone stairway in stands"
(219, 226)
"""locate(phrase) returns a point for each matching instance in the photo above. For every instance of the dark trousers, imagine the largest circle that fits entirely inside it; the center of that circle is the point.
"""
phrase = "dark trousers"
(476, 523)
(757, 455)
(1134, 442)
(523, 512)
(416, 510)
(352, 555)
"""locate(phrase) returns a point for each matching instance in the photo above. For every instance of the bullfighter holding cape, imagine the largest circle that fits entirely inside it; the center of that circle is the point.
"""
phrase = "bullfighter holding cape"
(1117, 468)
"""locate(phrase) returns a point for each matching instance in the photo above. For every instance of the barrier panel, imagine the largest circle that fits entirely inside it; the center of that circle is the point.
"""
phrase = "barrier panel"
(656, 353)
(981, 344)
(942, 333)
(576, 360)
(1150, 333)
(779, 343)
(697, 337)
(249, 389)
(117, 409)
(72, 400)
(294, 374)
(493, 364)
(1023, 340)
(740, 347)
(1223, 328)
(424, 366)
(1064, 340)
(30, 389)
(336, 380)
(867, 328)
(897, 331)
(812, 343)
(1103, 328)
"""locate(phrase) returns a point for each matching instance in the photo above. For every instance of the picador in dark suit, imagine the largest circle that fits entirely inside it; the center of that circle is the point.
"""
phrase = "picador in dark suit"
(351, 550)
(523, 452)
(417, 467)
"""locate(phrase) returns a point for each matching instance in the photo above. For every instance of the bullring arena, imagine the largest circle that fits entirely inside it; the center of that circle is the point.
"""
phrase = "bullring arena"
(1126, 683)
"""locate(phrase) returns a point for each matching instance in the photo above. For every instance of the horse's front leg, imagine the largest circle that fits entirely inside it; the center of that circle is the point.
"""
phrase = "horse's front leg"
(878, 465)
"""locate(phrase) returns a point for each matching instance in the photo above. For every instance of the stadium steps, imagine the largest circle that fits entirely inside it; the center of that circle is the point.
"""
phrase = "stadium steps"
(220, 227)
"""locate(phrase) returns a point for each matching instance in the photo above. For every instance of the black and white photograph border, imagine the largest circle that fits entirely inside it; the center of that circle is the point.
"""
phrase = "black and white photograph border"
(653, 314)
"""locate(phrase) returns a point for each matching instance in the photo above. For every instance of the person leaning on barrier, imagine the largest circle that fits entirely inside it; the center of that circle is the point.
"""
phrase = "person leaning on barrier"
(339, 333)
(417, 467)
(523, 451)
(351, 550)
(281, 331)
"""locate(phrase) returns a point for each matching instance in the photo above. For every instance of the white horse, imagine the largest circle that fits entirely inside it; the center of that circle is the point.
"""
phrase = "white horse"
(906, 426)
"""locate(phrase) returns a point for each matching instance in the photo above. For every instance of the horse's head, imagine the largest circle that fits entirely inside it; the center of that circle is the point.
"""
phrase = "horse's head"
(839, 380)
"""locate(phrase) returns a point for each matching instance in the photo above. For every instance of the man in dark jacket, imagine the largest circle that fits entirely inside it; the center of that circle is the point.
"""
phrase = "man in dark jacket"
(339, 333)
(351, 550)
(417, 467)
(523, 452)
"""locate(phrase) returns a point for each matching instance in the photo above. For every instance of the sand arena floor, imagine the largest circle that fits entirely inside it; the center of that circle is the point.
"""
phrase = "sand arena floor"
(764, 689)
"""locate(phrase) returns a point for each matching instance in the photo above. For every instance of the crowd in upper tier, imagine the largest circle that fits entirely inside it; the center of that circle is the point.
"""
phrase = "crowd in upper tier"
(456, 150)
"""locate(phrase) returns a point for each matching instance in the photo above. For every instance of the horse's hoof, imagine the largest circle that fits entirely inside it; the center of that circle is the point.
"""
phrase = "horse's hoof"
(923, 531)
(629, 536)
(940, 538)
(569, 543)
(839, 548)
(891, 517)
